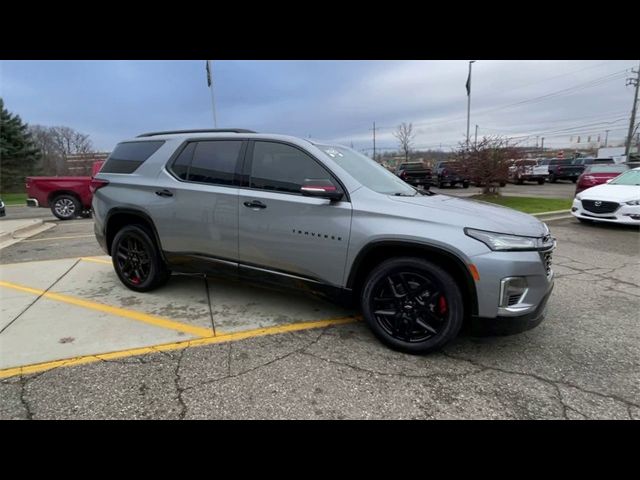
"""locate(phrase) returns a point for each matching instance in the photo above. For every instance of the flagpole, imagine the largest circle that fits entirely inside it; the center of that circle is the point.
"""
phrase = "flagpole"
(213, 101)
(469, 101)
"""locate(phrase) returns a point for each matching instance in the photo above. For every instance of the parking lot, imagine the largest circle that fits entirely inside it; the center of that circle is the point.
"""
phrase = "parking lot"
(75, 343)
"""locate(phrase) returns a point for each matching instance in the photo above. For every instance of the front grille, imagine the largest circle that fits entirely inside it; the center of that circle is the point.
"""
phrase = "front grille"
(513, 299)
(597, 206)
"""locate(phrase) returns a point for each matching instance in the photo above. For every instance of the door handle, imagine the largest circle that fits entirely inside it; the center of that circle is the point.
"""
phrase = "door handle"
(164, 193)
(255, 204)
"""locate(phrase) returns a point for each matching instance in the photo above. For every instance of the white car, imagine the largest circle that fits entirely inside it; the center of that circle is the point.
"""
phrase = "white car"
(617, 201)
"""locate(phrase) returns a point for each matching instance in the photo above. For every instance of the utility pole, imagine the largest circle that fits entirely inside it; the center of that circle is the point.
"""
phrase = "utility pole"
(542, 147)
(374, 140)
(606, 138)
(469, 101)
(476, 137)
(210, 85)
(635, 82)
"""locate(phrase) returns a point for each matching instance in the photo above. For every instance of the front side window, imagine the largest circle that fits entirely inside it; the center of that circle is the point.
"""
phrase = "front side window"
(282, 168)
(214, 162)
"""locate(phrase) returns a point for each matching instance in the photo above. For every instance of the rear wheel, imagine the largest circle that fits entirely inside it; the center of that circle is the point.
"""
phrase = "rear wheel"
(574, 180)
(412, 305)
(65, 207)
(519, 180)
(465, 184)
(137, 261)
(552, 178)
(503, 184)
(541, 181)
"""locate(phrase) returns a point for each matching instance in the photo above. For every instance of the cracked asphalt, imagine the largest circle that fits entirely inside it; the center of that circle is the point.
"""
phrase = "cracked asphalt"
(582, 362)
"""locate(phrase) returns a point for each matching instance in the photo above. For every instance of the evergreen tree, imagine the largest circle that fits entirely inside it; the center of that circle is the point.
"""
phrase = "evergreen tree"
(18, 153)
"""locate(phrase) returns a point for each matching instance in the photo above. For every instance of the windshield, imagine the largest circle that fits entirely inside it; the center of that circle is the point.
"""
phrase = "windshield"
(367, 171)
(632, 177)
(606, 169)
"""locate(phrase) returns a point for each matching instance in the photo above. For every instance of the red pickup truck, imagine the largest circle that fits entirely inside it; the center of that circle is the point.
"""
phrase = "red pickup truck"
(67, 197)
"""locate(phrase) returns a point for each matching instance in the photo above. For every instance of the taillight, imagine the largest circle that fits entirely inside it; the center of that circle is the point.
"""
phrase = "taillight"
(97, 184)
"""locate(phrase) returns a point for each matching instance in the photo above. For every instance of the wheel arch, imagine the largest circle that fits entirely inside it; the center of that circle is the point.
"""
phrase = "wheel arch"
(374, 253)
(119, 217)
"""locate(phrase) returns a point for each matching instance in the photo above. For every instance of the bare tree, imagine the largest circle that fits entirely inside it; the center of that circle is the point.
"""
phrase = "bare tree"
(56, 144)
(486, 163)
(404, 134)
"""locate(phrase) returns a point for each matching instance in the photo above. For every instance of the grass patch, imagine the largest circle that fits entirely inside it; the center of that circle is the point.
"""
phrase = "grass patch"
(528, 204)
(14, 198)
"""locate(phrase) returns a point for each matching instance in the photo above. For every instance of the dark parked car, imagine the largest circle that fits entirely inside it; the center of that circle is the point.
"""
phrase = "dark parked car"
(586, 161)
(449, 173)
(563, 169)
(598, 174)
(415, 173)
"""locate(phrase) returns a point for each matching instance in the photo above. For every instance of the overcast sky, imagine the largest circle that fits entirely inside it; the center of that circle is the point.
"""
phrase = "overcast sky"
(329, 100)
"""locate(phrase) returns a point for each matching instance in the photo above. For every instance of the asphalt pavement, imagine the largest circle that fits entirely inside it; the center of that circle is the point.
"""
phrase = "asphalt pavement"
(581, 362)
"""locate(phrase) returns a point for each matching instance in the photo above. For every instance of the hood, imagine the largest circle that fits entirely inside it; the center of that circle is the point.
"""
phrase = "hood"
(613, 193)
(477, 214)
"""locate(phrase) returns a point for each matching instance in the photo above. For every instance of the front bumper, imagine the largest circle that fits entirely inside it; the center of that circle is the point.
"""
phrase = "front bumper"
(501, 325)
(625, 214)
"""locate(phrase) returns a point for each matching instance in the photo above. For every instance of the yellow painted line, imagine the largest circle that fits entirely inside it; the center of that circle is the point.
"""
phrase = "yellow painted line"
(96, 260)
(120, 312)
(57, 238)
(222, 338)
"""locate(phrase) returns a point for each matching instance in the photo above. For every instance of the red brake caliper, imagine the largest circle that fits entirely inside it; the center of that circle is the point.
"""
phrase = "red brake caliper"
(442, 305)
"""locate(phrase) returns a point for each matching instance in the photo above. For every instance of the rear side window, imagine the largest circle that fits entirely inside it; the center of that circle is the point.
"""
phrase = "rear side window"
(181, 165)
(214, 162)
(128, 156)
(282, 168)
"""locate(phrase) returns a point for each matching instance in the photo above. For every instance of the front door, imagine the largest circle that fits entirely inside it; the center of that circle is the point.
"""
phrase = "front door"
(280, 229)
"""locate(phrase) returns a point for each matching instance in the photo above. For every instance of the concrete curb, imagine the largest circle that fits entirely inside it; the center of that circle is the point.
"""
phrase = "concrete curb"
(14, 236)
(554, 212)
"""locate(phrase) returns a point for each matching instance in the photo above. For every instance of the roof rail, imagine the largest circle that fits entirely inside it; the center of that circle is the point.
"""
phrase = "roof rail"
(198, 130)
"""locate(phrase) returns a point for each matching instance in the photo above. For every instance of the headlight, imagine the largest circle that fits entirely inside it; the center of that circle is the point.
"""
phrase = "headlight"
(505, 242)
(633, 202)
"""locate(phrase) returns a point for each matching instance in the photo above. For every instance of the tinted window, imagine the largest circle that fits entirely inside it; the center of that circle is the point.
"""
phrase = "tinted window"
(180, 166)
(283, 168)
(606, 169)
(128, 156)
(215, 162)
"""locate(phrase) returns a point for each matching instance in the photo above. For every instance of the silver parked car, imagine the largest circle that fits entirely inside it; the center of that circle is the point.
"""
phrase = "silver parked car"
(324, 219)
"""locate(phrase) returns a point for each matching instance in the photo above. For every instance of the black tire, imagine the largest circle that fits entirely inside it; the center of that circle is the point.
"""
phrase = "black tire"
(412, 324)
(465, 184)
(440, 185)
(574, 180)
(136, 259)
(503, 184)
(65, 207)
(553, 179)
(541, 181)
(519, 181)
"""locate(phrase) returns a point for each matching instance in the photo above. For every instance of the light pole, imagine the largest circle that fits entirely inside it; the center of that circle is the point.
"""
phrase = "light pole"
(469, 100)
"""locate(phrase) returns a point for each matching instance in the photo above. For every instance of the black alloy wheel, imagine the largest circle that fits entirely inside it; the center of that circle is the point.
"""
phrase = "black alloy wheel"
(136, 259)
(412, 305)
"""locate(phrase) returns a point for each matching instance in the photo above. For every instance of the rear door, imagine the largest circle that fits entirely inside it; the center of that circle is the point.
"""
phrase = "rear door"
(281, 230)
(196, 212)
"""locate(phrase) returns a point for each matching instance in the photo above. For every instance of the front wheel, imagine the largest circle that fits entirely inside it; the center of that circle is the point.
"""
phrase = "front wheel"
(412, 305)
(553, 179)
(541, 181)
(137, 261)
(465, 184)
(65, 207)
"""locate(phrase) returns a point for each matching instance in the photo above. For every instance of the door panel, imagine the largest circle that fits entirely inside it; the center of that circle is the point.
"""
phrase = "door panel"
(198, 218)
(295, 234)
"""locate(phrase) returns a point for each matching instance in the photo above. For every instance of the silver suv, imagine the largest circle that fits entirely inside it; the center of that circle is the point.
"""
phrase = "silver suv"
(324, 219)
